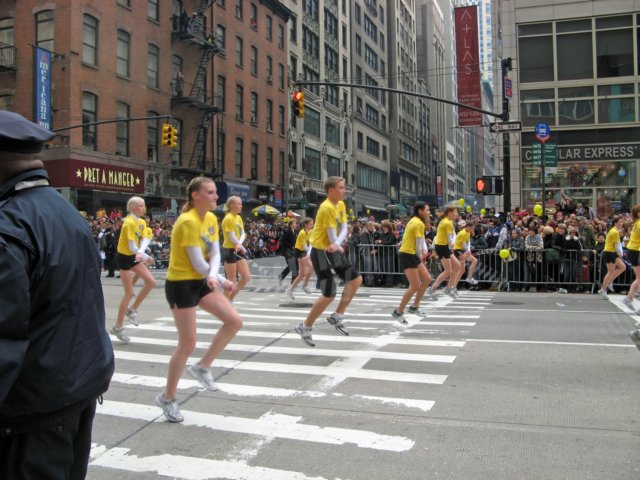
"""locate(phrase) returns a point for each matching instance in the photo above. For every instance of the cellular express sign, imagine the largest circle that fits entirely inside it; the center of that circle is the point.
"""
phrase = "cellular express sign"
(591, 152)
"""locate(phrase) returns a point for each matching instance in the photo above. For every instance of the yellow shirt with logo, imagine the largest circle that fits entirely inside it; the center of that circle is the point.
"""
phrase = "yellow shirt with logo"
(445, 228)
(147, 233)
(613, 237)
(302, 240)
(414, 230)
(191, 231)
(342, 213)
(232, 223)
(327, 217)
(461, 240)
(634, 238)
(132, 229)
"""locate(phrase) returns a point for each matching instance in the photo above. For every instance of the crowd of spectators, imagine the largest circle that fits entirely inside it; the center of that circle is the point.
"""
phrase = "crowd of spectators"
(559, 248)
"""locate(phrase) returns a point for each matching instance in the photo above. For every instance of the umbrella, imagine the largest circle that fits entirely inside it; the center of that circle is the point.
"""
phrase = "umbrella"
(266, 210)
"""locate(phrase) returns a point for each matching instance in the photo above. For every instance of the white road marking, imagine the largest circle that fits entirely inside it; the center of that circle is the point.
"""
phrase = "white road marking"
(542, 342)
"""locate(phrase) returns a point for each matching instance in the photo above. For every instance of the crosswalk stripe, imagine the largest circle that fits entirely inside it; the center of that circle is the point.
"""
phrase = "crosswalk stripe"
(191, 468)
(321, 352)
(348, 320)
(243, 390)
(328, 371)
(292, 336)
(269, 425)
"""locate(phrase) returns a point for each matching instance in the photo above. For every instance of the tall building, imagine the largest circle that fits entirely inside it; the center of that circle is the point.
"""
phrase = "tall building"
(404, 110)
(575, 68)
(98, 61)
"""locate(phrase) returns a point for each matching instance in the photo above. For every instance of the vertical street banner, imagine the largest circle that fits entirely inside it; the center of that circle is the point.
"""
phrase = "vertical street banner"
(42, 88)
(468, 65)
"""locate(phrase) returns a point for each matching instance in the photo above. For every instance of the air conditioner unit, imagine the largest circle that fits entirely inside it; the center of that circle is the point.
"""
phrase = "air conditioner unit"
(270, 80)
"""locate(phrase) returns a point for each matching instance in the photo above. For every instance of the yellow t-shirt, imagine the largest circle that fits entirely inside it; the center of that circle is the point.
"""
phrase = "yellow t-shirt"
(414, 229)
(634, 238)
(191, 231)
(132, 229)
(613, 237)
(462, 238)
(445, 228)
(342, 214)
(302, 240)
(327, 217)
(232, 223)
(147, 233)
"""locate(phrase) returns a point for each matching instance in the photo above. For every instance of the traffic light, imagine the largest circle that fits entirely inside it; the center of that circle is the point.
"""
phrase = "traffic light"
(483, 185)
(174, 137)
(297, 104)
(497, 185)
(167, 135)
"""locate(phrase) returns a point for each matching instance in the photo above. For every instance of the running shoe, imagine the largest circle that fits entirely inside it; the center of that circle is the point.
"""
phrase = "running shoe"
(399, 316)
(120, 335)
(203, 375)
(131, 315)
(454, 290)
(635, 337)
(627, 302)
(431, 293)
(610, 288)
(603, 294)
(417, 311)
(280, 280)
(289, 293)
(472, 281)
(449, 291)
(307, 290)
(305, 334)
(336, 320)
(169, 408)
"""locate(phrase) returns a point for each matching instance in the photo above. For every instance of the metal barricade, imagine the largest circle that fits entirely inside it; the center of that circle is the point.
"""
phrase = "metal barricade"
(378, 264)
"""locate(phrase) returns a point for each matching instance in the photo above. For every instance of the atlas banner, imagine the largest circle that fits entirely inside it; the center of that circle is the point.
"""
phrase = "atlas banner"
(468, 66)
(95, 176)
(42, 87)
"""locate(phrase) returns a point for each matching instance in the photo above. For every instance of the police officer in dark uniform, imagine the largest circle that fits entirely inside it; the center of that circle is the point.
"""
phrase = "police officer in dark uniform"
(287, 244)
(55, 355)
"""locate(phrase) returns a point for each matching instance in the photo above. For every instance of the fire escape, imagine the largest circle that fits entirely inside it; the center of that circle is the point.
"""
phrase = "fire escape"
(192, 30)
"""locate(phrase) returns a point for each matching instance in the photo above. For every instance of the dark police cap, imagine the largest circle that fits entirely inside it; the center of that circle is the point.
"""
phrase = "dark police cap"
(17, 134)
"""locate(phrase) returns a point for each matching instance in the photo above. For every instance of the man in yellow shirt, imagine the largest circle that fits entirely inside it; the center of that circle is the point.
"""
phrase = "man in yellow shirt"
(327, 254)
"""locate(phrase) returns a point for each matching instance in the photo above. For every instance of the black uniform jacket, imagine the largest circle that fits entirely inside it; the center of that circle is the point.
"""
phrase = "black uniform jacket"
(54, 350)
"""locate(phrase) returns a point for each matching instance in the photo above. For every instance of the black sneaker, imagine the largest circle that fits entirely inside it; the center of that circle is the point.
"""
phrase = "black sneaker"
(336, 321)
(399, 316)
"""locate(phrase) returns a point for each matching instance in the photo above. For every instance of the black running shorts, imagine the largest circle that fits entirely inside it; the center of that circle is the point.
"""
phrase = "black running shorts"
(323, 262)
(458, 253)
(299, 253)
(185, 293)
(407, 260)
(632, 256)
(443, 251)
(125, 262)
(229, 255)
(609, 257)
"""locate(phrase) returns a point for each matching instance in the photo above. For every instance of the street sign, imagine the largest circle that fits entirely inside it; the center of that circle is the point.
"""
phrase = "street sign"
(543, 132)
(550, 155)
(513, 126)
(507, 87)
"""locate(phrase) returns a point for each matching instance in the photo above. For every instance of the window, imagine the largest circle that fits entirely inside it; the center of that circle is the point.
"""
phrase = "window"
(269, 164)
(239, 9)
(331, 59)
(310, 7)
(331, 94)
(122, 129)
(6, 31)
(538, 106)
(373, 147)
(370, 28)
(239, 153)
(239, 102)
(293, 31)
(281, 76)
(220, 149)
(332, 131)
(371, 58)
(254, 161)
(281, 166)
(616, 103)
(360, 141)
(152, 67)
(333, 166)
(535, 42)
(312, 122)
(221, 36)
(125, 3)
(358, 13)
(269, 68)
(153, 10)
(371, 115)
(122, 53)
(221, 92)
(269, 115)
(371, 178)
(614, 48)
(330, 24)
(253, 14)
(280, 36)
(344, 36)
(89, 40)
(310, 43)
(575, 106)
(281, 124)
(89, 114)
(358, 44)
(152, 138)
(253, 106)
(239, 46)
(44, 29)
(270, 28)
(574, 36)
(176, 68)
(253, 58)
(311, 165)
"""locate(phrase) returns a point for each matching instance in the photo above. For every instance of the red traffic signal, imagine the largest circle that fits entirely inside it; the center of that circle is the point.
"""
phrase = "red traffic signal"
(297, 104)
(483, 185)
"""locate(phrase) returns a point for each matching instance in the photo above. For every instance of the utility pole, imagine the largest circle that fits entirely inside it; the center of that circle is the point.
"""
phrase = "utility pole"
(506, 144)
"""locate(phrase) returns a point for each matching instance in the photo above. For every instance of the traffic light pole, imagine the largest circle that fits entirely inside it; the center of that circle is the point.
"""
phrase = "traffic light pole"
(544, 179)
(117, 120)
(506, 141)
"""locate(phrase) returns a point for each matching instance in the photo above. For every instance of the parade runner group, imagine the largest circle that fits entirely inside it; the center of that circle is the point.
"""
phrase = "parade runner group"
(193, 278)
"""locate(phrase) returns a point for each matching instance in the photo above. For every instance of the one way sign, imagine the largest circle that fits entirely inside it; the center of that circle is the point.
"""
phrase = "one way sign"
(515, 126)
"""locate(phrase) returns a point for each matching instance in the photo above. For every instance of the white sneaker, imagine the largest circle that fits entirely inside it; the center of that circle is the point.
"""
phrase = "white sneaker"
(169, 408)
(120, 335)
(307, 290)
(432, 294)
(610, 288)
(472, 281)
(203, 375)
(603, 294)
(449, 291)
(627, 303)
(289, 293)
(455, 292)
(131, 314)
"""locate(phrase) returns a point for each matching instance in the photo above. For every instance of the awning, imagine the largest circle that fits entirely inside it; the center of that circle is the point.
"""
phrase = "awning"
(373, 208)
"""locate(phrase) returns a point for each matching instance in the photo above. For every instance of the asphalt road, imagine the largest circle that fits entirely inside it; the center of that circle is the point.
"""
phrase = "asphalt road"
(489, 386)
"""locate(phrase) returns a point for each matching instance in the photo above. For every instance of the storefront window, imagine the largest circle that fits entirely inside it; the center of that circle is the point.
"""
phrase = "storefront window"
(582, 175)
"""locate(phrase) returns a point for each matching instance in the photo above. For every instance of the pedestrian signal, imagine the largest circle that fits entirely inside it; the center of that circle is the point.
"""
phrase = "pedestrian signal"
(498, 185)
(297, 104)
(483, 185)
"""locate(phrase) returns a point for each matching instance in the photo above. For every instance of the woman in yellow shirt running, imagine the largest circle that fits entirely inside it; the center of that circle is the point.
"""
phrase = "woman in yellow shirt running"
(444, 242)
(632, 254)
(233, 252)
(612, 256)
(302, 250)
(193, 281)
